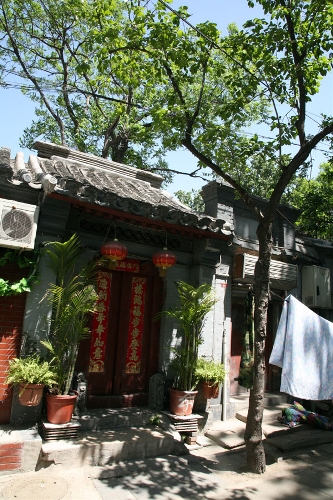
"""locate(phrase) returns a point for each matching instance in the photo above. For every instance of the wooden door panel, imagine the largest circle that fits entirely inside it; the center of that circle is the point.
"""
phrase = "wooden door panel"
(134, 368)
(101, 383)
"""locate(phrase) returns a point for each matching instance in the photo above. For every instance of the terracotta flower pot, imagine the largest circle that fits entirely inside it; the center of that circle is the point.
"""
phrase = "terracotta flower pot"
(59, 408)
(210, 391)
(181, 402)
(30, 394)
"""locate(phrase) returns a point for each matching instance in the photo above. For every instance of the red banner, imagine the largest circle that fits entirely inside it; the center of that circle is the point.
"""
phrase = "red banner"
(100, 323)
(135, 329)
(129, 265)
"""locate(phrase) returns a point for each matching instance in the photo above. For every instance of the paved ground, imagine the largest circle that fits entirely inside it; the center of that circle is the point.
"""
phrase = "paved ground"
(208, 472)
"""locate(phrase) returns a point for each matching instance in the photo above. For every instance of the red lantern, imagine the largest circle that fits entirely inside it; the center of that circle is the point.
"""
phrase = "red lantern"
(114, 251)
(163, 260)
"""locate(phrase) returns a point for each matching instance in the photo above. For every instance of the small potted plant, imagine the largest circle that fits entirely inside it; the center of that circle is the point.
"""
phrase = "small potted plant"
(195, 303)
(211, 374)
(73, 297)
(31, 374)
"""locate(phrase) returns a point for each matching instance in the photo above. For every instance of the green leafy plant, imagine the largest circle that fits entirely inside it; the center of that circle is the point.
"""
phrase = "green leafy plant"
(23, 259)
(195, 303)
(72, 297)
(209, 371)
(30, 370)
(155, 419)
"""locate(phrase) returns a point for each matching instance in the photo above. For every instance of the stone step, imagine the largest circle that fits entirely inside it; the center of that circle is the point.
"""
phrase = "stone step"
(241, 402)
(109, 446)
(113, 418)
(305, 435)
(230, 434)
(270, 415)
(19, 449)
(274, 399)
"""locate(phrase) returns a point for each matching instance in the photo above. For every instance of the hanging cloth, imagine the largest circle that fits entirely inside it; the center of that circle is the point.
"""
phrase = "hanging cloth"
(245, 378)
(303, 348)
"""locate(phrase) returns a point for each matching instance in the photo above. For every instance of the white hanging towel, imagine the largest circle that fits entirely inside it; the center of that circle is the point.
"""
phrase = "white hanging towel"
(303, 348)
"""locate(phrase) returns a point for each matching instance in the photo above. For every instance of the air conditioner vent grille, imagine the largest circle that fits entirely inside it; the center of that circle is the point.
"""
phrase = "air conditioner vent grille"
(18, 224)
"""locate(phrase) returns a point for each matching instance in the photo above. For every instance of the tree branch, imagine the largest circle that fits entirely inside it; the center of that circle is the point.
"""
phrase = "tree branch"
(34, 80)
(187, 142)
(298, 58)
(300, 157)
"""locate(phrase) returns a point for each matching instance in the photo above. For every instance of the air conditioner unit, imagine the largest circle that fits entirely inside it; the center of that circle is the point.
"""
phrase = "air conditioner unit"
(316, 286)
(18, 224)
(282, 276)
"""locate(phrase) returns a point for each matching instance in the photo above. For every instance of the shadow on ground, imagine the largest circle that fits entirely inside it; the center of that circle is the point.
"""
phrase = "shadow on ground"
(221, 476)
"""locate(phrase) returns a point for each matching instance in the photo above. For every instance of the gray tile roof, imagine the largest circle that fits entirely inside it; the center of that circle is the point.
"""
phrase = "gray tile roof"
(101, 182)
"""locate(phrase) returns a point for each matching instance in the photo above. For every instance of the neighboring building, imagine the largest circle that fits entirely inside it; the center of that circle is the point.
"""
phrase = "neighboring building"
(300, 266)
(64, 192)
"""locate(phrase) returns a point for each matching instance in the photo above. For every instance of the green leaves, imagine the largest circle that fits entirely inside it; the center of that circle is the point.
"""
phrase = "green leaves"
(191, 198)
(315, 200)
(210, 371)
(72, 297)
(195, 303)
(23, 260)
(30, 370)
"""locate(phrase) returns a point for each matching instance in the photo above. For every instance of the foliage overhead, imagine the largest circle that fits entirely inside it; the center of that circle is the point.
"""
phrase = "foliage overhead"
(202, 91)
(50, 48)
(192, 198)
(315, 200)
(279, 61)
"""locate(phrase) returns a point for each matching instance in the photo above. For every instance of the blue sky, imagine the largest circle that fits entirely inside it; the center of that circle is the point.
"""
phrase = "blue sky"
(18, 111)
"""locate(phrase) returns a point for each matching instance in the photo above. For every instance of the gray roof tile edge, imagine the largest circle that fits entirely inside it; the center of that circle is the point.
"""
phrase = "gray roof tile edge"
(50, 151)
(166, 208)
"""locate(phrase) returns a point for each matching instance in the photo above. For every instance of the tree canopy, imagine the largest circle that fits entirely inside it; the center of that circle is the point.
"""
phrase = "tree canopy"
(315, 200)
(50, 47)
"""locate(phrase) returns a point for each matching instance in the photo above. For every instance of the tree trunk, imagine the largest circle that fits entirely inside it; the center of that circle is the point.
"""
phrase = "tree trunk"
(256, 460)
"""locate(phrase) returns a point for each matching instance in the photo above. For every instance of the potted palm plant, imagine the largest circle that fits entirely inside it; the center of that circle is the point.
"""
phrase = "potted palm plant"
(211, 374)
(195, 303)
(72, 297)
(31, 374)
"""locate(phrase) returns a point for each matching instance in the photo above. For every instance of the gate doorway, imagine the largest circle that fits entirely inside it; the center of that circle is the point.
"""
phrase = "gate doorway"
(238, 317)
(123, 351)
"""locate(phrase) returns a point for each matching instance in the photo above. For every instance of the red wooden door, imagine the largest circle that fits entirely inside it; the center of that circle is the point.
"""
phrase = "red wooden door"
(129, 347)
(236, 348)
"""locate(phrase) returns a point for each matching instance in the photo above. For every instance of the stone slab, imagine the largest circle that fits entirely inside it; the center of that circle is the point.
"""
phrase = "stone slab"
(307, 437)
(228, 434)
(277, 428)
(205, 441)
